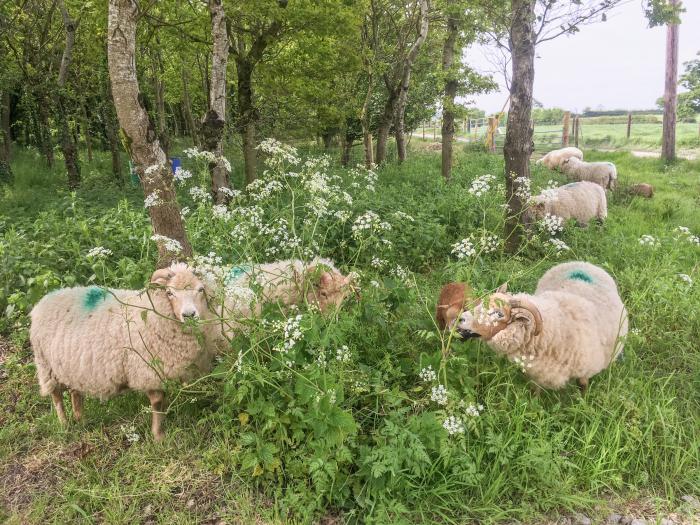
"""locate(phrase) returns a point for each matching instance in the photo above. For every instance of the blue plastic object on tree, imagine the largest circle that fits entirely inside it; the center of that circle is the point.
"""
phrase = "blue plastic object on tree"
(176, 163)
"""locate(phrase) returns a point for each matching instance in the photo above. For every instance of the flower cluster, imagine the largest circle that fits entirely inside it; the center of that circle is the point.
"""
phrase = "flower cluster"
(292, 333)
(453, 425)
(471, 409)
(463, 249)
(489, 243)
(439, 394)
(524, 361)
(278, 154)
(687, 278)
(152, 200)
(370, 222)
(99, 252)
(559, 245)
(688, 236)
(401, 273)
(130, 433)
(648, 240)
(481, 185)
(427, 374)
(342, 354)
(181, 175)
(261, 189)
(552, 224)
(171, 245)
(522, 188)
(199, 194)
(280, 238)
(220, 211)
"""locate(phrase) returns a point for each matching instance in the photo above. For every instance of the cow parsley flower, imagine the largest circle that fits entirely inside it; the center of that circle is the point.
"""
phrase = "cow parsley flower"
(648, 240)
(181, 175)
(427, 374)
(439, 394)
(130, 433)
(219, 211)
(524, 361)
(453, 425)
(481, 185)
(553, 224)
(463, 249)
(171, 245)
(559, 245)
(152, 200)
(522, 188)
(342, 354)
(685, 277)
(489, 243)
(472, 410)
(99, 252)
(198, 194)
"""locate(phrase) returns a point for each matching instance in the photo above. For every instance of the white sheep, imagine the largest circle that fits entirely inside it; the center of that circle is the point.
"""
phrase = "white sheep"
(101, 342)
(602, 173)
(582, 201)
(555, 158)
(571, 328)
(290, 282)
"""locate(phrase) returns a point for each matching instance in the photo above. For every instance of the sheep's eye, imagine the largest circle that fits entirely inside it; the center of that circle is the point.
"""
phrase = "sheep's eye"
(201, 290)
(169, 292)
(500, 315)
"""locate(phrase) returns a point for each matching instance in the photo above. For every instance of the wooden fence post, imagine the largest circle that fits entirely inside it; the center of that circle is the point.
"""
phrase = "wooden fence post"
(629, 124)
(424, 130)
(577, 123)
(491, 134)
(565, 129)
(434, 131)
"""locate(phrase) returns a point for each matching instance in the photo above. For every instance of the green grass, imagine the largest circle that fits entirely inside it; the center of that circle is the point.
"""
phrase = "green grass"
(268, 446)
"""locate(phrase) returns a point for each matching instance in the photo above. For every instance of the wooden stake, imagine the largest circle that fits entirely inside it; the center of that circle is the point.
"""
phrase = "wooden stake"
(629, 125)
(565, 130)
(577, 123)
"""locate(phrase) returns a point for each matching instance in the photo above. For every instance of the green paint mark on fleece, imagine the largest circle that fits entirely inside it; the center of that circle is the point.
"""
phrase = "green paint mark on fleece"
(93, 297)
(238, 271)
(580, 275)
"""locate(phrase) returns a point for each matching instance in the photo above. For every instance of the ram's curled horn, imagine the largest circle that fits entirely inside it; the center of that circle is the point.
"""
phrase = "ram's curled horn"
(162, 276)
(528, 305)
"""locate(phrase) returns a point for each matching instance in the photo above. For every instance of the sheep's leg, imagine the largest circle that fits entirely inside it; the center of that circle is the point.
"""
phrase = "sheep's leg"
(156, 398)
(76, 399)
(57, 397)
(583, 383)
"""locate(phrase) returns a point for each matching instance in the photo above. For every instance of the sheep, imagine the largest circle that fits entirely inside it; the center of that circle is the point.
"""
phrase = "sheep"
(602, 173)
(571, 328)
(101, 342)
(318, 282)
(581, 201)
(555, 158)
(642, 189)
(454, 298)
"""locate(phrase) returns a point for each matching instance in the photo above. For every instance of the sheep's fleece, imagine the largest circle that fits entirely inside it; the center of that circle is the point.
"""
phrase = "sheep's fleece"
(602, 173)
(582, 201)
(583, 325)
(555, 158)
(100, 342)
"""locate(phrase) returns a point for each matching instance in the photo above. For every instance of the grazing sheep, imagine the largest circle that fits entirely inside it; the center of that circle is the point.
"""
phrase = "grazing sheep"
(602, 173)
(101, 342)
(555, 158)
(454, 298)
(571, 328)
(642, 189)
(290, 282)
(582, 201)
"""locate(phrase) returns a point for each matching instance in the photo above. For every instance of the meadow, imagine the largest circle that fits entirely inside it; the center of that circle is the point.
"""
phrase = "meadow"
(344, 427)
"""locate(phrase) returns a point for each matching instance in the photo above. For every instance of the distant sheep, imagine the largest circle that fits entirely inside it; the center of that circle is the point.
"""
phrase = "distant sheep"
(642, 189)
(582, 201)
(555, 158)
(101, 342)
(454, 298)
(602, 173)
(289, 282)
(571, 328)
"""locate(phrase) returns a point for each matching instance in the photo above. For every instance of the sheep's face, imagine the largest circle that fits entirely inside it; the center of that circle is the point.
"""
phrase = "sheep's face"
(331, 289)
(454, 298)
(184, 290)
(486, 320)
(535, 212)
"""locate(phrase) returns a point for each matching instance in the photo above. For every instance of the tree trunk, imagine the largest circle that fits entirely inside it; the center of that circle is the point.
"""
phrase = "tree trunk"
(68, 144)
(327, 137)
(42, 132)
(247, 116)
(399, 130)
(448, 101)
(518, 145)
(214, 122)
(187, 108)
(5, 131)
(150, 159)
(364, 119)
(345, 149)
(668, 145)
(384, 127)
(112, 133)
(86, 132)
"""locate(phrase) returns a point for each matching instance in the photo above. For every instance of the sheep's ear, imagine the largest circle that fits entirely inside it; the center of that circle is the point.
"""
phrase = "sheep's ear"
(503, 288)
(161, 277)
(325, 280)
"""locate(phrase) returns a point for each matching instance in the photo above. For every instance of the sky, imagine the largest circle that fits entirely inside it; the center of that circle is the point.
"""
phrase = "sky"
(618, 64)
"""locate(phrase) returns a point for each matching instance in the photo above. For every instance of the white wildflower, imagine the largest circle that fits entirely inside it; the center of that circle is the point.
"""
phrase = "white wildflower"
(463, 249)
(152, 200)
(439, 394)
(99, 252)
(427, 374)
(552, 224)
(130, 433)
(524, 361)
(685, 277)
(559, 245)
(648, 240)
(481, 185)
(199, 194)
(219, 211)
(342, 354)
(453, 425)
(171, 245)
(472, 410)
(489, 243)
(184, 211)
(181, 175)
(522, 188)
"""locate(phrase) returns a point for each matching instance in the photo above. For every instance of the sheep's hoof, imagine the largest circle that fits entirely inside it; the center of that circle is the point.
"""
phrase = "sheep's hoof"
(583, 384)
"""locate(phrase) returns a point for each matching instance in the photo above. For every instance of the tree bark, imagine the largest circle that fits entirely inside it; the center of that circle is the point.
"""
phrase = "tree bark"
(385, 122)
(68, 145)
(187, 108)
(112, 133)
(399, 130)
(451, 84)
(150, 159)
(6, 147)
(214, 122)
(159, 91)
(86, 132)
(518, 144)
(247, 116)
(668, 145)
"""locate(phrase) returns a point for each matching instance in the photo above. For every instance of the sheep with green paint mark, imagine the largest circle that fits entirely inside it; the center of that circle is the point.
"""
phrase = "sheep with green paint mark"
(101, 342)
(572, 327)
(581, 201)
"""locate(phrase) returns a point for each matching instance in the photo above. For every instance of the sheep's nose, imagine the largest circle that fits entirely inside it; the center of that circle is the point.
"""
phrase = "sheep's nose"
(189, 314)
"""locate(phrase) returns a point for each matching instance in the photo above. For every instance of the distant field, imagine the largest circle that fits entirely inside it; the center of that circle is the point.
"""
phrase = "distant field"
(594, 133)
